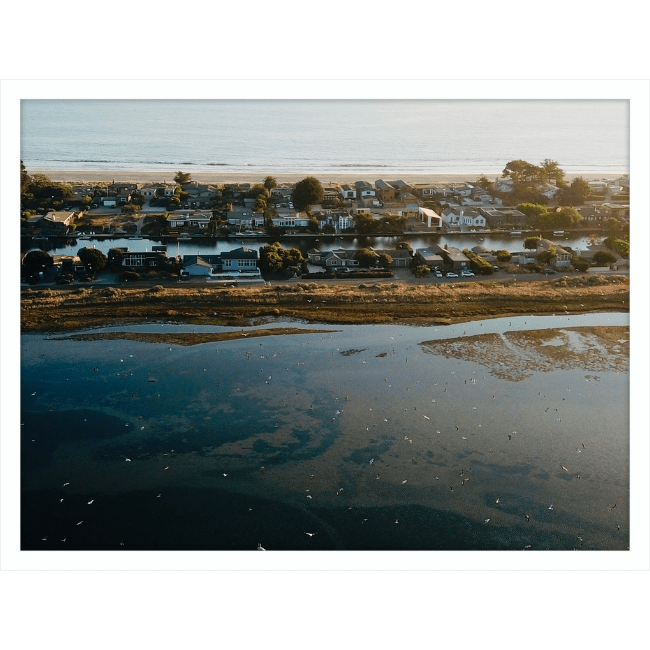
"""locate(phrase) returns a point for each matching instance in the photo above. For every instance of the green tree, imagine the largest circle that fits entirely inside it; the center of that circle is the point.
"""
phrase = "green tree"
(365, 224)
(551, 171)
(366, 257)
(130, 208)
(274, 258)
(405, 246)
(260, 204)
(545, 257)
(421, 271)
(35, 262)
(580, 264)
(270, 183)
(307, 192)
(576, 193)
(533, 210)
(385, 260)
(530, 243)
(94, 259)
(503, 256)
(313, 224)
(485, 183)
(522, 173)
(603, 258)
(182, 178)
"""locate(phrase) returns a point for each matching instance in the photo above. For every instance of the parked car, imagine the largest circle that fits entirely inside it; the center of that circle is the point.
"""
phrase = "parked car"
(496, 268)
(549, 271)
(466, 274)
(451, 274)
(438, 273)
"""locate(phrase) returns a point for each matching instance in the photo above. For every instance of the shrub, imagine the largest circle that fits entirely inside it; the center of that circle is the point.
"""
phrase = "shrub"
(130, 275)
(503, 256)
(580, 264)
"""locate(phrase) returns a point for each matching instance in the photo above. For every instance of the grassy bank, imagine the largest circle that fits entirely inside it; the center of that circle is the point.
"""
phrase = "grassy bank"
(52, 310)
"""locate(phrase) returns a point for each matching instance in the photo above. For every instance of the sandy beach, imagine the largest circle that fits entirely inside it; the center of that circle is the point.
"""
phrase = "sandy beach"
(79, 176)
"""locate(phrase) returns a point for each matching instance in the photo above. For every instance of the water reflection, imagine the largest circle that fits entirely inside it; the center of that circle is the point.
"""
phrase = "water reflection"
(342, 433)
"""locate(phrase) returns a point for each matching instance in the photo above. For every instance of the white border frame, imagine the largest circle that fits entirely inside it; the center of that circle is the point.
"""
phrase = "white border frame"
(12, 92)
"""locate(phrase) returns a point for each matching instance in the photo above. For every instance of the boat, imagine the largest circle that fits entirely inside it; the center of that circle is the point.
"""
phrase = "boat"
(515, 233)
(135, 237)
(558, 233)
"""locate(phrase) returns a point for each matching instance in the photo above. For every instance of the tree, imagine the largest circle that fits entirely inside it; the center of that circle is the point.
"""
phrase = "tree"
(603, 258)
(545, 257)
(366, 257)
(580, 264)
(36, 261)
(551, 171)
(405, 246)
(523, 173)
(182, 178)
(533, 210)
(274, 258)
(385, 260)
(576, 193)
(95, 260)
(421, 271)
(364, 224)
(307, 192)
(313, 224)
(130, 208)
(270, 183)
(530, 243)
(485, 183)
(260, 204)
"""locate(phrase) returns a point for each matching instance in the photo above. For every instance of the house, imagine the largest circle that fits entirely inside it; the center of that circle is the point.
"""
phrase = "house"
(616, 210)
(426, 190)
(330, 196)
(562, 256)
(198, 265)
(338, 258)
(348, 192)
(123, 197)
(386, 191)
(593, 213)
(200, 221)
(239, 259)
(503, 217)
(504, 185)
(146, 260)
(365, 190)
(429, 258)
(282, 192)
(484, 253)
(293, 220)
(57, 222)
(240, 216)
(453, 257)
(108, 201)
(344, 222)
(401, 258)
(463, 217)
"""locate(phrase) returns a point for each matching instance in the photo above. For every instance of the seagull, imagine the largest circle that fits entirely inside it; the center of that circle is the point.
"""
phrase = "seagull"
(260, 547)
(527, 517)
(426, 417)
(167, 467)
(81, 522)
(550, 507)
(225, 474)
(564, 468)
(128, 460)
(66, 484)
(487, 521)
(498, 500)
(309, 496)
(60, 500)
(310, 534)
(158, 496)
(91, 501)
(372, 460)
(404, 481)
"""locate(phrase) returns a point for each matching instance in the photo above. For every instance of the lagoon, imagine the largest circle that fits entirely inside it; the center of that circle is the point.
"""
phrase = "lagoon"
(499, 434)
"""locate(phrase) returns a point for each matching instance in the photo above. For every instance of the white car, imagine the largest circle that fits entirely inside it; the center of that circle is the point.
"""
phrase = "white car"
(438, 274)
(466, 274)
(451, 274)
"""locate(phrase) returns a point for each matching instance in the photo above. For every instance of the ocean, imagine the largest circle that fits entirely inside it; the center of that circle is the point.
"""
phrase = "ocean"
(380, 138)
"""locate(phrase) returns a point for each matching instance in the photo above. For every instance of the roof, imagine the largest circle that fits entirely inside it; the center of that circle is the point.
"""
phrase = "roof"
(240, 254)
(59, 216)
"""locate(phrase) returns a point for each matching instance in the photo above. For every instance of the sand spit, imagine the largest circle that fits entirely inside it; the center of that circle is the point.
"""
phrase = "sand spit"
(515, 356)
(189, 338)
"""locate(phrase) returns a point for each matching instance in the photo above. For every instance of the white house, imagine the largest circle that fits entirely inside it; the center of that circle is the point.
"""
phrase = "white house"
(348, 192)
(432, 219)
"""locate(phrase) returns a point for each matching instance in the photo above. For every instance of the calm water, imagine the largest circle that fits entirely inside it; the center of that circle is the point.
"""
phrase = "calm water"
(380, 138)
(324, 243)
(382, 437)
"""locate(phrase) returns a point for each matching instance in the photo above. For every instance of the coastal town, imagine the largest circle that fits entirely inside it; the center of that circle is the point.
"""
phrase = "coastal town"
(540, 209)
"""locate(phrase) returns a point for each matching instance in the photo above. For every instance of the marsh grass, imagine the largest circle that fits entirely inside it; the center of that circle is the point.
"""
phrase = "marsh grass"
(380, 302)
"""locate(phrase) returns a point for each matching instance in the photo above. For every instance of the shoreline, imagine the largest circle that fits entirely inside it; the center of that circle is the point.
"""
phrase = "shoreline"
(218, 177)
